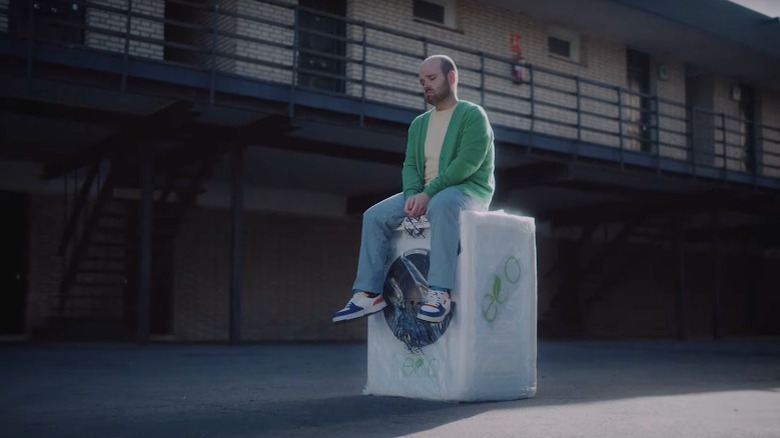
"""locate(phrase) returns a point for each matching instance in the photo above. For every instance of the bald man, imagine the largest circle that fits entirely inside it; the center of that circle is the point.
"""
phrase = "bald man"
(448, 168)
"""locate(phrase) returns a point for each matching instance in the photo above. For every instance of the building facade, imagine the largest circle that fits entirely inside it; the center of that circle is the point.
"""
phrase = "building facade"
(196, 170)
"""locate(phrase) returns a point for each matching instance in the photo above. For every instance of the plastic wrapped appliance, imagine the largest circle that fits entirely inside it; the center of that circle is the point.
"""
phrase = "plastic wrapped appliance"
(486, 349)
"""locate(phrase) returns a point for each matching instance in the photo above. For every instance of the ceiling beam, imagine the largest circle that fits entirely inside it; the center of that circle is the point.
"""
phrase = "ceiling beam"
(530, 175)
(358, 204)
(605, 189)
(171, 116)
(764, 234)
(55, 110)
(646, 205)
(276, 132)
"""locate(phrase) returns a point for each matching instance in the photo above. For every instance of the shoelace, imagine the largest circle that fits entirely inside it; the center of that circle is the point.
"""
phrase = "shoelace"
(434, 298)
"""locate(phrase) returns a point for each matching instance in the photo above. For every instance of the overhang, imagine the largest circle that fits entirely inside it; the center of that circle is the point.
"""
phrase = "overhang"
(712, 36)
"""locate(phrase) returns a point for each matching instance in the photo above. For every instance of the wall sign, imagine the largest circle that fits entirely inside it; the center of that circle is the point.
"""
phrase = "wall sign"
(514, 42)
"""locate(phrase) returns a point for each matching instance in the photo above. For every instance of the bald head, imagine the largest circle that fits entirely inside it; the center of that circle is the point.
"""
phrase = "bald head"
(439, 80)
(444, 63)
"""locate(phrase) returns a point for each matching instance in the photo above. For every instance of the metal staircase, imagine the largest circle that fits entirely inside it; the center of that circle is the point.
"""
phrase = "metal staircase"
(585, 282)
(99, 246)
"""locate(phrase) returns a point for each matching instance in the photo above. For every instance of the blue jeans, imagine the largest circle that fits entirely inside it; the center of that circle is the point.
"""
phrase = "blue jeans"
(380, 220)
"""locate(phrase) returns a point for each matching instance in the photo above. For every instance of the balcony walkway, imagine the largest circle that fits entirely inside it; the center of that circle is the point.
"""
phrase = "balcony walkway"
(601, 389)
(548, 111)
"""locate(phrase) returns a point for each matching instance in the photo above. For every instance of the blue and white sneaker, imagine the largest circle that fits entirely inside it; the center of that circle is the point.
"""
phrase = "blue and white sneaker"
(361, 304)
(436, 306)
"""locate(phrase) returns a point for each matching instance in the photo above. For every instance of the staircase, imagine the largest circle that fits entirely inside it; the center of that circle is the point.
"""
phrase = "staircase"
(584, 283)
(598, 278)
(99, 247)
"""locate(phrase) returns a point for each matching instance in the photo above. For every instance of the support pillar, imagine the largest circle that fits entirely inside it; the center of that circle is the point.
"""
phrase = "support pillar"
(145, 217)
(752, 283)
(236, 243)
(681, 289)
(716, 276)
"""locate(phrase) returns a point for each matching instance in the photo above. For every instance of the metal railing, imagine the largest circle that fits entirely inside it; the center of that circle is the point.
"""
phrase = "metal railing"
(276, 42)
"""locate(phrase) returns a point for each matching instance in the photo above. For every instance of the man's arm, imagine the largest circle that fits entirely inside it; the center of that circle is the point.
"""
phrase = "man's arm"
(474, 145)
(410, 175)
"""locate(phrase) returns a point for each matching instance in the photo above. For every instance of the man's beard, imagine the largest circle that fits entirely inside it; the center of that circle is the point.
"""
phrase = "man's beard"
(435, 98)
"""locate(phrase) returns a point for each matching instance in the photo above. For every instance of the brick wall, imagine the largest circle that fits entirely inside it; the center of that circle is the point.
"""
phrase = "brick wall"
(673, 127)
(114, 20)
(642, 304)
(391, 77)
(601, 60)
(202, 38)
(770, 132)
(44, 267)
(264, 60)
(729, 127)
(298, 270)
(225, 45)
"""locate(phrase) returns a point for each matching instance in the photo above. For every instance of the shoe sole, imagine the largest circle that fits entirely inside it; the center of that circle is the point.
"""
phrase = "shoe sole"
(357, 315)
(434, 319)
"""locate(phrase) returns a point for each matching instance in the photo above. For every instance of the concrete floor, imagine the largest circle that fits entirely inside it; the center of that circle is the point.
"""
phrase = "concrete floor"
(585, 389)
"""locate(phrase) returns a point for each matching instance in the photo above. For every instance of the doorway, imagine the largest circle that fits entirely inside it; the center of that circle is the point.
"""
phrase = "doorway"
(637, 112)
(58, 21)
(161, 286)
(322, 45)
(747, 115)
(13, 263)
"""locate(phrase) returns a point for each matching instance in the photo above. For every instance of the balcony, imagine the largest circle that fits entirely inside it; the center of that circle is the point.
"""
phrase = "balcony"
(290, 57)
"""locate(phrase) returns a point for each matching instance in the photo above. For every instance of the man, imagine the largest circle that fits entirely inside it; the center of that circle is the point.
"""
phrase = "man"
(448, 168)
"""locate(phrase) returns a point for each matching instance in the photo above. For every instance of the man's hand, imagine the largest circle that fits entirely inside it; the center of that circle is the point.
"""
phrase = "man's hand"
(416, 205)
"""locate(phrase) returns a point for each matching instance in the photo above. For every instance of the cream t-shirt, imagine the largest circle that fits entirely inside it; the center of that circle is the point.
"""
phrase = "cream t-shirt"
(434, 138)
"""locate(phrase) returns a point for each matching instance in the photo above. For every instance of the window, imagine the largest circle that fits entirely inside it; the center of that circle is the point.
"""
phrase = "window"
(321, 38)
(559, 47)
(52, 20)
(435, 11)
(563, 43)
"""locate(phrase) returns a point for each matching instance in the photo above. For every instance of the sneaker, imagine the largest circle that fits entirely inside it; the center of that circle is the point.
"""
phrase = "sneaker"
(361, 304)
(436, 306)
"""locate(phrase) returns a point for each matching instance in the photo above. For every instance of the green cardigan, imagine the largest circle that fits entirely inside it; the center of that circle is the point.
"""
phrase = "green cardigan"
(467, 155)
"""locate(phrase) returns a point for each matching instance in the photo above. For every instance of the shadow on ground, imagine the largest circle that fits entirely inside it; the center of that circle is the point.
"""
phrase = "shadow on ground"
(315, 389)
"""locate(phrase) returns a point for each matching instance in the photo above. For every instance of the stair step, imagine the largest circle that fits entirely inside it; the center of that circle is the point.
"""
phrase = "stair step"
(167, 216)
(107, 244)
(658, 233)
(113, 225)
(79, 328)
(98, 284)
(112, 259)
(112, 215)
(99, 271)
(110, 230)
(120, 296)
(159, 186)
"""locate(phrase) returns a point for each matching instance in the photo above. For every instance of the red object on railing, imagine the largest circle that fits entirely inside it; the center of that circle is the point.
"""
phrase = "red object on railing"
(514, 43)
(519, 70)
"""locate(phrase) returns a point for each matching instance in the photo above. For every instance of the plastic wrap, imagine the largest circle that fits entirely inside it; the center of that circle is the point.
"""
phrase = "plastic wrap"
(486, 349)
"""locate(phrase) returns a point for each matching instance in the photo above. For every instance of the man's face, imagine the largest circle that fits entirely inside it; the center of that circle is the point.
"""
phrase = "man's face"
(435, 84)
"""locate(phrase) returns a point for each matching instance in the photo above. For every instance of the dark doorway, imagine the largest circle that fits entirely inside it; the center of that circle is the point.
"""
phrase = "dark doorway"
(188, 29)
(52, 20)
(747, 114)
(13, 263)
(638, 109)
(322, 45)
(161, 299)
(700, 99)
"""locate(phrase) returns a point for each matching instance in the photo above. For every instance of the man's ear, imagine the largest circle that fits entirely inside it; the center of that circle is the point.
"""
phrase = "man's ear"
(451, 77)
